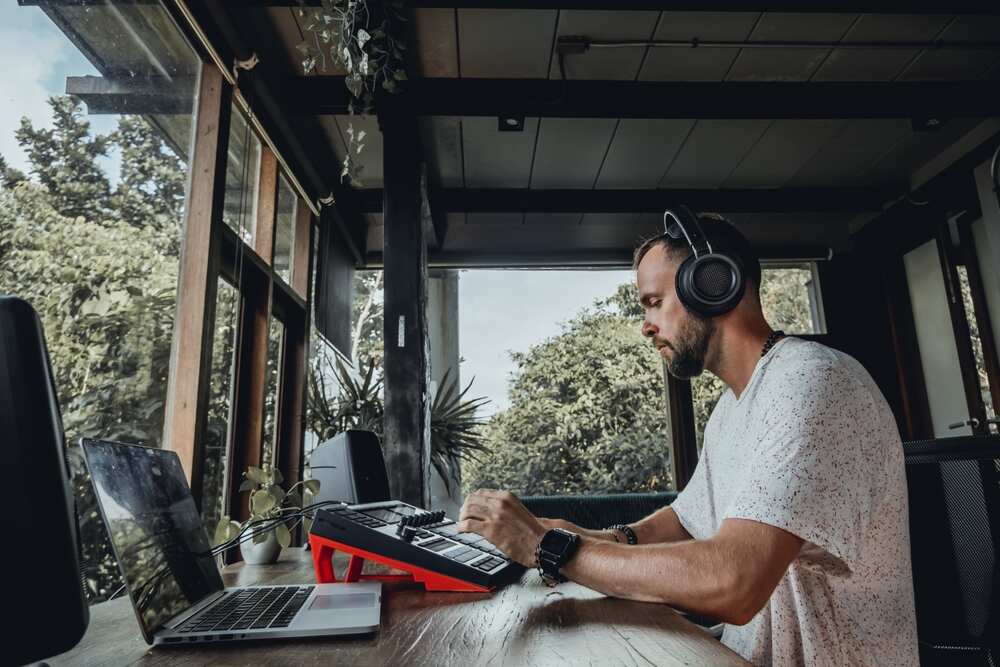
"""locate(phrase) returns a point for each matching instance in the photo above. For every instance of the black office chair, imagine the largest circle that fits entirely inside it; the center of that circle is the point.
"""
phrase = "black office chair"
(954, 491)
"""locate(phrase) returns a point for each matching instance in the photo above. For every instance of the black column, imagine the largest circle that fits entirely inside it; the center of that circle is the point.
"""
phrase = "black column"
(407, 405)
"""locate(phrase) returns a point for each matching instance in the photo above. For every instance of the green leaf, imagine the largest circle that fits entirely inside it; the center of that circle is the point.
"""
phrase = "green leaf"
(260, 537)
(256, 474)
(262, 502)
(312, 486)
(284, 537)
(247, 485)
(278, 477)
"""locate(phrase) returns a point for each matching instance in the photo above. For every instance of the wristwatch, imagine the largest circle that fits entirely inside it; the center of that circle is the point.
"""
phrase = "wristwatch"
(554, 551)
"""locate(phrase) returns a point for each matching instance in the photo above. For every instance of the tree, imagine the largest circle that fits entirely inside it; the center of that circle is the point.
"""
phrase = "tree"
(64, 159)
(587, 412)
(100, 266)
(9, 177)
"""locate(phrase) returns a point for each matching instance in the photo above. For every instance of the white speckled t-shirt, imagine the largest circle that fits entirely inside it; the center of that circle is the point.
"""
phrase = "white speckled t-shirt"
(811, 447)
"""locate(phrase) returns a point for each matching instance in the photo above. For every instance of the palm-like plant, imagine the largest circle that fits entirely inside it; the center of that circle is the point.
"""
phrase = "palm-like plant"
(455, 433)
(356, 403)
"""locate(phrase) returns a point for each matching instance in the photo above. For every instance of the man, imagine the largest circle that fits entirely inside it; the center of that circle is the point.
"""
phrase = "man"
(793, 529)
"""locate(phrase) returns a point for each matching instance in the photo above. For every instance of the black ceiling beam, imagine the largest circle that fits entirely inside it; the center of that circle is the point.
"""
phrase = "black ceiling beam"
(126, 95)
(750, 200)
(796, 6)
(671, 99)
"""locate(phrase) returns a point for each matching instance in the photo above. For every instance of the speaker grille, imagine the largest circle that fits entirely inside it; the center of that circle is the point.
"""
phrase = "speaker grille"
(713, 279)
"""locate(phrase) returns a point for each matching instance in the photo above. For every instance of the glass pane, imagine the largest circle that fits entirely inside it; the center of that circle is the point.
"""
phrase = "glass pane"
(284, 230)
(936, 340)
(706, 390)
(275, 339)
(219, 404)
(790, 299)
(92, 196)
(577, 398)
(977, 345)
(242, 178)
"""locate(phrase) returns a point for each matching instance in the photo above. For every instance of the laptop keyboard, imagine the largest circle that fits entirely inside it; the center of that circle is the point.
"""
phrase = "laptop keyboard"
(251, 609)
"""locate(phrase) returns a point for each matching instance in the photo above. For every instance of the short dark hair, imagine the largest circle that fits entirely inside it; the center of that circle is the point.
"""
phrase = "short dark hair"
(722, 235)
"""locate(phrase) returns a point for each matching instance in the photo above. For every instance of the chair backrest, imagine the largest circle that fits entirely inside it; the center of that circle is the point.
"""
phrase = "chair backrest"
(954, 493)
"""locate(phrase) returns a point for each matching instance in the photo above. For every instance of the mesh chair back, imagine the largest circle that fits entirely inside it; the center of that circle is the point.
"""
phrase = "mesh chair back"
(954, 494)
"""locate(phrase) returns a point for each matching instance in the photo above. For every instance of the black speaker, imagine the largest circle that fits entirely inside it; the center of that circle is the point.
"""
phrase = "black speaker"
(350, 468)
(47, 611)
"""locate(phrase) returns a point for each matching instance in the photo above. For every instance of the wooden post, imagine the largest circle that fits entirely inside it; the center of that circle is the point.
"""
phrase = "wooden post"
(267, 204)
(191, 348)
(683, 441)
(407, 406)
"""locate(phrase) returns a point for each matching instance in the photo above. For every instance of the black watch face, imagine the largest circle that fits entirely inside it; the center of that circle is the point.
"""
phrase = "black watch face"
(556, 541)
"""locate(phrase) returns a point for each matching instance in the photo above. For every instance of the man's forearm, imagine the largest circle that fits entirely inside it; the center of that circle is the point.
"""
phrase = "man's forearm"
(692, 575)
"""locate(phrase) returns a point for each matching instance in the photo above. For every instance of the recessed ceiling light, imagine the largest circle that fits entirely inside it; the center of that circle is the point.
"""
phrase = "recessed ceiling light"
(510, 123)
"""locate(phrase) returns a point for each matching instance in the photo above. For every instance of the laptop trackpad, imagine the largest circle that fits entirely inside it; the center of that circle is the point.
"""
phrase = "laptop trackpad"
(343, 602)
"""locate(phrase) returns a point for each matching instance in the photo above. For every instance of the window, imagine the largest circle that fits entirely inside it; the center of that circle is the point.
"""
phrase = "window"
(219, 403)
(577, 398)
(91, 209)
(284, 230)
(242, 169)
(275, 340)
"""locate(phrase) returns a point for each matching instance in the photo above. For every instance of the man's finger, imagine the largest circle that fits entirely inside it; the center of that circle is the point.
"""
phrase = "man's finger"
(472, 526)
(474, 511)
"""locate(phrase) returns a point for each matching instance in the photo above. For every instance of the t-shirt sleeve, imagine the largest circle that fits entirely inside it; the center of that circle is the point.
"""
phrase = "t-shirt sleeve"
(810, 478)
(692, 504)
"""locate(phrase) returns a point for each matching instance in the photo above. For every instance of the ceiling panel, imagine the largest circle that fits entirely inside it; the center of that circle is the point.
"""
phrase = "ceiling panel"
(370, 158)
(496, 159)
(436, 42)
(552, 218)
(684, 64)
(641, 151)
(570, 151)
(788, 64)
(618, 219)
(917, 149)
(506, 43)
(711, 152)
(950, 64)
(442, 140)
(879, 64)
(854, 149)
(783, 149)
(506, 219)
(605, 63)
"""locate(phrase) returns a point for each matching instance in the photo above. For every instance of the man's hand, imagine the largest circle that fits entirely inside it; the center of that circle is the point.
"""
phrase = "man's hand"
(501, 518)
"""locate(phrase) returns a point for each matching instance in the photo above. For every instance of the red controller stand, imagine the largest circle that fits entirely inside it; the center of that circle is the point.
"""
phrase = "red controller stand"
(323, 549)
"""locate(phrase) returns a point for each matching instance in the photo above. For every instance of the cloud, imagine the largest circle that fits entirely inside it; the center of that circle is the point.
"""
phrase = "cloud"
(30, 55)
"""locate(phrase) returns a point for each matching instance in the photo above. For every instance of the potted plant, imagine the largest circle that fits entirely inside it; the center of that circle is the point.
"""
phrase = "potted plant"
(272, 514)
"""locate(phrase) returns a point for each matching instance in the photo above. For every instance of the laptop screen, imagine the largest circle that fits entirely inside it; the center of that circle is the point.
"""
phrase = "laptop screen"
(155, 529)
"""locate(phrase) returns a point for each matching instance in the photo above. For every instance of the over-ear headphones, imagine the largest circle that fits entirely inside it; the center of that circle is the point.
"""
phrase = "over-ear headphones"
(709, 282)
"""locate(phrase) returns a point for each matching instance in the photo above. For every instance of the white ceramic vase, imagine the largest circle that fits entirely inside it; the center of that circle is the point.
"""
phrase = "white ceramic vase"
(261, 553)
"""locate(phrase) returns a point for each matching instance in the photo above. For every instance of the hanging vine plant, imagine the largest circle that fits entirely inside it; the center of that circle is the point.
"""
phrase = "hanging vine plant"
(362, 38)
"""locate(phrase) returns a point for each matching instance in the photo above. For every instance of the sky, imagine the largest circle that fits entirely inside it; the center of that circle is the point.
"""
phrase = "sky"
(504, 311)
(37, 59)
(500, 311)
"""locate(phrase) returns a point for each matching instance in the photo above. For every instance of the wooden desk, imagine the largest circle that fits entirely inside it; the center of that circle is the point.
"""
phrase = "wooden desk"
(522, 624)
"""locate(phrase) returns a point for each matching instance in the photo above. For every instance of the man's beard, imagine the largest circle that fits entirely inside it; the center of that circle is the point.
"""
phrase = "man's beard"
(689, 348)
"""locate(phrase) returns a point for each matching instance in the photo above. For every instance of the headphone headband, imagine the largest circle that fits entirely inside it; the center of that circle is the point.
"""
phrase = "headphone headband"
(687, 221)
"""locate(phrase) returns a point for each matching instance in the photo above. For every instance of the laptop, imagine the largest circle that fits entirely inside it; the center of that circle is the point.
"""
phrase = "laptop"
(165, 559)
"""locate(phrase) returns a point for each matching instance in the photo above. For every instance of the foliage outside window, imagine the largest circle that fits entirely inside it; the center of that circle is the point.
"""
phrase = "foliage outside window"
(982, 377)
(275, 338)
(95, 248)
(587, 411)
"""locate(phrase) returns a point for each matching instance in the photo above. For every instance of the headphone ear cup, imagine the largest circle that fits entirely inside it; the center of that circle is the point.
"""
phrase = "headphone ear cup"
(710, 285)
